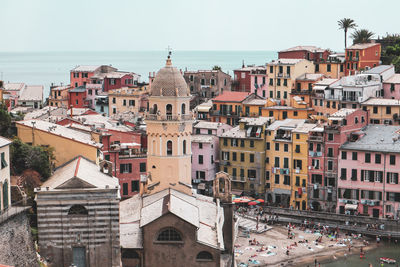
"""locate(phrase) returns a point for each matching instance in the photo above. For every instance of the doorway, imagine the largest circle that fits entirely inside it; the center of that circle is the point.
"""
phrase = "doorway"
(79, 256)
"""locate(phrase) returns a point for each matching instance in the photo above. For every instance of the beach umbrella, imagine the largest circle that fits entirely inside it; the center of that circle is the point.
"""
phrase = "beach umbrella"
(237, 200)
(244, 200)
(260, 200)
(252, 203)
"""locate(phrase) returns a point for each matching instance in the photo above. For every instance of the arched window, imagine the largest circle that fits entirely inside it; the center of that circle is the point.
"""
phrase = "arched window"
(169, 234)
(183, 109)
(184, 147)
(155, 109)
(168, 110)
(77, 210)
(5, 194)
(204, 256)
(169, 147)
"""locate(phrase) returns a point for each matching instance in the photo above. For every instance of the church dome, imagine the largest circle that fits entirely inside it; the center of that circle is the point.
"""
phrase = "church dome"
(169, 82)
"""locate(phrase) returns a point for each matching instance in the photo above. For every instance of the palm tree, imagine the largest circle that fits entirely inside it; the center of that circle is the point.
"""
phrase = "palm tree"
(361, 36)
(346, 24)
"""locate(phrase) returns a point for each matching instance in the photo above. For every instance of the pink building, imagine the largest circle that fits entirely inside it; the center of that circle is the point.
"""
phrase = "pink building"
(324, 143)
(258, 81)
(92, 91)
(391, 87)
(205, 151)
(369, 167)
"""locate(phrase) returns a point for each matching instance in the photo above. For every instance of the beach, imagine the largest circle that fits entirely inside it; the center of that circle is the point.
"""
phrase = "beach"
(275, 248)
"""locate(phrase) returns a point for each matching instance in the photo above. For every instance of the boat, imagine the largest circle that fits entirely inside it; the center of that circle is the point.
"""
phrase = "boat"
(387, 260)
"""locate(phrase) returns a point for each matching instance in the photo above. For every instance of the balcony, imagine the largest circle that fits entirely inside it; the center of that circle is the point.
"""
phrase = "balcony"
(238, 179)
(283, 137)
(315, 154)
(316, 138)
(224, 113)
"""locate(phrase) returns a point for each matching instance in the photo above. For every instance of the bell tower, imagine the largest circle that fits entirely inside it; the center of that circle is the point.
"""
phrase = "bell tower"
(169, 128)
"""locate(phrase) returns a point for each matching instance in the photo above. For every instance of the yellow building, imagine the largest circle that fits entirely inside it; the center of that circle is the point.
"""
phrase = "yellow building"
(58, 96)
(127, 99)
(282, 74)
(252, 106)
(297, 109)
(382, 111)
(243, 155)
(286, 163)
(334, 70)
(67, 143)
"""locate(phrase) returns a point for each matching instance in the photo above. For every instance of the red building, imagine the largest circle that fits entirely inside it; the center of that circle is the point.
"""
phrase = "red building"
(128, 156)
(242, 79)
(361, 57)
(311, 53)
(77, 97)
(80, 76)
(118, 79)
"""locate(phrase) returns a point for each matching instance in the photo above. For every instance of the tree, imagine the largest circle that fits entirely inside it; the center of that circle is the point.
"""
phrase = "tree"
(362, 36)
(216, 67)
(5, 121)
(346, 24)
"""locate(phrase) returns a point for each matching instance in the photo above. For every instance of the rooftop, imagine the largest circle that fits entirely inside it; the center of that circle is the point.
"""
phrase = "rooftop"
(309, 48)
(255, 101)
(288, 123)
(13, 86)
(310, 77)
(251, 67)
(202, 138)
(208, 125)
(257, 121)
(31, 93)
(61, 87)
(379, 69)
(229, 96)
(80, 173)
(382, 102)
(382, 138)
(79, 89)
(235, 132)
(86, 68)
(285, 61)
(62, 131)
(342, 113)
(4, 141)
(198, 210)
(394, 79)
(362, 46)
(305, 128)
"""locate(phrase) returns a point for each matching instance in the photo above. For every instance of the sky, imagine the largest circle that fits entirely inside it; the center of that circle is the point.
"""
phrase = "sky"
(131, 25)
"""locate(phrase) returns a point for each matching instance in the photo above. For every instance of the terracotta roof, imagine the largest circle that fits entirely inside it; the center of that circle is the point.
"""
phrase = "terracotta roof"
(231, 97)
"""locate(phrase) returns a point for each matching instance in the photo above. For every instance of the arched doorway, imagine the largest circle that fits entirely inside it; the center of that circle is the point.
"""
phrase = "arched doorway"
(130, 258)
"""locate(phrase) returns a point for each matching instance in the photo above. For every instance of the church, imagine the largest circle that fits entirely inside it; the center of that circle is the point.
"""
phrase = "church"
(167, 224)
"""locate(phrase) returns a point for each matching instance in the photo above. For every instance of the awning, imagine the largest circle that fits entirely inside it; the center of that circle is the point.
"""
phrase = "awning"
(201, 186)
(319, 87)
(350, 207)
(203, 109)
(237, 192)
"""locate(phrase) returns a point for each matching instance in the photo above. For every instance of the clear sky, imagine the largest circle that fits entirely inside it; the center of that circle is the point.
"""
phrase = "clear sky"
(102, 25)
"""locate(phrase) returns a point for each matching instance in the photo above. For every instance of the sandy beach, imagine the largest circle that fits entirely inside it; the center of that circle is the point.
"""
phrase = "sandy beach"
(274, 248)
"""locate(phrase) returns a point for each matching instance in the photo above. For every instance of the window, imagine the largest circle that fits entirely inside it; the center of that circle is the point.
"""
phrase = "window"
(200, 159)
(278, 82)
(354, 175)
(344, 155)
(392, 160)
(286, 147)
(125, 168)
(297, 149)
(388, 110)
(209, 132)
(330, 137)
(276, 178)
(286, 179)
(343, 173)
(295, 113)
(234, 156)
(315, 163)
(297, 180)
(311, 147)
(271, 82)
(375, 110)
(242, 157)
(378, 158)
(184, 147)
(200, 145)
(367, 158)
(124, 189)
(251, 157)
(354, 155)
(3, 160)
(328, 67)
(276, 162)
(204, 256)
(284, 82)
(330, 152)
(298, 164)
(124, 102)
(268, 146)
(225, 141)
(183, 109)
(169, 147)
(132, 103)
(276, 146)
(77, 210)
(169, 235)
(114, 100)
(297, 136)
(392, 178)
(134, 186)
(142, 167)
(330, 165)
(242, 143)
(271, 69)
(285, 162)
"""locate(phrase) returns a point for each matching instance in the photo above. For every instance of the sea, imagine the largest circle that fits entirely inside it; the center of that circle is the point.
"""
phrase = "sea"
(45, 68)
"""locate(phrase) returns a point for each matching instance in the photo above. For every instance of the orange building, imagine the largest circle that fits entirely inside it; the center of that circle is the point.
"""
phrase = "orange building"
(227, 107)
(330, 69)
(297, 109)
(362, 56)
(58, 96)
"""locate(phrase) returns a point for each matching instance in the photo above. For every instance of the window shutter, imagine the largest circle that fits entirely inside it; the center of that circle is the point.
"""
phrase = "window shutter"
(387, 178)
(130, 168)
(362, 175)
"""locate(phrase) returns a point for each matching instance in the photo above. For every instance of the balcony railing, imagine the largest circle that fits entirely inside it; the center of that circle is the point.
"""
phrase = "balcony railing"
(224, 113)
(156, 117)
(316, 138)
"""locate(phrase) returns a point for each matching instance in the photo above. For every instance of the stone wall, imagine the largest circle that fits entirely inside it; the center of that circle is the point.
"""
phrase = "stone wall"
(16, 243)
